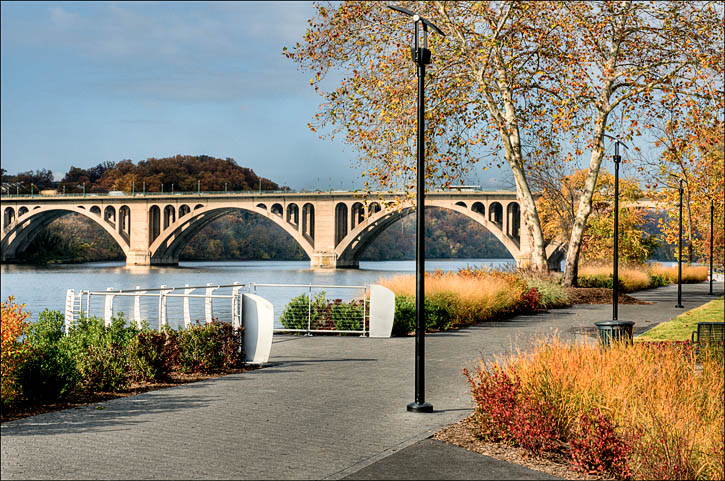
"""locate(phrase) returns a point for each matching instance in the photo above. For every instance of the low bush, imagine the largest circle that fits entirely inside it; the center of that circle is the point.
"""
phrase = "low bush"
(13, 352)
(50, 371)
(302, 308)
(205, 348)
(152, 355)
(347, 315)
(101, 352)
(596, 448)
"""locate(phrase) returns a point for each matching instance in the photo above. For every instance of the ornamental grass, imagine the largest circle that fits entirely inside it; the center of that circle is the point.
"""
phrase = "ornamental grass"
(648, 411)
(690, 273)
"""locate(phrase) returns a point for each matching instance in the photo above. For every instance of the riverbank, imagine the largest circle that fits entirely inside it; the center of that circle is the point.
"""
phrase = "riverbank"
(324, 407)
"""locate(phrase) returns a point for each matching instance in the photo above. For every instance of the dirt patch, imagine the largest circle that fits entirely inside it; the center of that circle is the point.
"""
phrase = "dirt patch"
(77, 399)
(598, 295)
(461, 434)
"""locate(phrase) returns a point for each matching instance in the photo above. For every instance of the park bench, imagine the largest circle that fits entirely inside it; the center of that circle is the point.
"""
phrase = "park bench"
(709, 332)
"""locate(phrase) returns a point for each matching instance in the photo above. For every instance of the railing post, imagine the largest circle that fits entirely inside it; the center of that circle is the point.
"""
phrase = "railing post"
(162, 307)
(208, 305)
(108, 308)
(137, 306)
(236, 306)
(69, 299)
(309, 310)
(187, 313)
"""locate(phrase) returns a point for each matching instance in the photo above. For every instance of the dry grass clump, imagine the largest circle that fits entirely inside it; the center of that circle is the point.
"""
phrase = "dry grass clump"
(690, 273)
(635, 277)
(632, 278)
(469, 298)
(667, 405)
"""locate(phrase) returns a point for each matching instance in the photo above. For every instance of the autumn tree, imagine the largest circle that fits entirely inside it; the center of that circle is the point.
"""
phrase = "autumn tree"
(693, 150)
(511, 77)
(557, 208)
(630, 56)
(486, 90)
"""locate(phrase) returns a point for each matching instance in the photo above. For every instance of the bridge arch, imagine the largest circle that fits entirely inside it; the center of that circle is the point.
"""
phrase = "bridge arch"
(168, 245)
(18, 235)
(352, 245)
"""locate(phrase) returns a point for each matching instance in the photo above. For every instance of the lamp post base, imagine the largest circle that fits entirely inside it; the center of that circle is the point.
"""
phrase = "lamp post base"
(420, 407)
(679, 306)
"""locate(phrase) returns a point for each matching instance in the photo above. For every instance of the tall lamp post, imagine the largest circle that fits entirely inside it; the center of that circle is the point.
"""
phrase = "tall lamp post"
(679, 249)
(421, 57)
(712, 217)
(615, 261)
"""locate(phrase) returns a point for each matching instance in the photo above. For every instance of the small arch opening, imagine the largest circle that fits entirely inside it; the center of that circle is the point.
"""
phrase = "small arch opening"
(478, 208)
(513, 217)
(262, 206)
(340, 222)
(277, 209)
(495, 213)
(373, 208)
(308, 221)
(357, 214)
(461, 204)
(183, 210)
(22, 211)
(293, 214)
(154, 222)
(109, 214)
(96, 210)
(169, 216)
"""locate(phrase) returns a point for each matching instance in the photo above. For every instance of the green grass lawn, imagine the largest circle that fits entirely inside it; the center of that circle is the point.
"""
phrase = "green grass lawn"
(680, 328)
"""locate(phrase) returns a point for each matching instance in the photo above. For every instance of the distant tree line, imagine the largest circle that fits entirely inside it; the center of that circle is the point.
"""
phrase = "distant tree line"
(183, 173)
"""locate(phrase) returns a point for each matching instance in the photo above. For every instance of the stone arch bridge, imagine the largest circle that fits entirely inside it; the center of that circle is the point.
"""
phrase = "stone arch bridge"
(333, 228)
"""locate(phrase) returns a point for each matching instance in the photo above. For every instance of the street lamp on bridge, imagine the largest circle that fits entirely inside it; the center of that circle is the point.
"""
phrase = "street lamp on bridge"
(421, 57)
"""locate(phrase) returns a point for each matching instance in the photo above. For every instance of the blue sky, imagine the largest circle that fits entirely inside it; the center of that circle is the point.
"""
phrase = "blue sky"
(84, 83)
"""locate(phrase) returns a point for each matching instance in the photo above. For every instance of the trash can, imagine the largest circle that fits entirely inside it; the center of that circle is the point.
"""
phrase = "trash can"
(614, 331)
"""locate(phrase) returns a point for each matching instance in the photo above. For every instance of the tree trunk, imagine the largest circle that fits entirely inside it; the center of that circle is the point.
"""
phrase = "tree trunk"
(571, 264)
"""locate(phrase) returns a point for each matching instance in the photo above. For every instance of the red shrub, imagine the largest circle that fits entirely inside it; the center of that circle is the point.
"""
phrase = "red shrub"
(504, 413)
(597, 449)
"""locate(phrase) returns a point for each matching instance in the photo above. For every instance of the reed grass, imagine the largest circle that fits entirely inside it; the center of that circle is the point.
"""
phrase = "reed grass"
(637, 277)
(669, 408)
(470, 298)
(690, 273)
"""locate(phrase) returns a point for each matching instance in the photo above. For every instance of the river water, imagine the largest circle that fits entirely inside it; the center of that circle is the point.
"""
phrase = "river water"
(41, 287)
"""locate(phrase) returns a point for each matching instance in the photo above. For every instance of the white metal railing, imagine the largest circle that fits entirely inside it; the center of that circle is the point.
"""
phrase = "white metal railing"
(300, 308)
(158, 304)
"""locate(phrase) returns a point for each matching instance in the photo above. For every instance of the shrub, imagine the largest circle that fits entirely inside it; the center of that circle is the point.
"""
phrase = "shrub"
(506, 413)
(296, 313)
(50, 370)
(152, 355)
(347, 315)
(100, 352)
(13, 324)
(438, 308)
(597, 449)
(205, 348)
(552, 294)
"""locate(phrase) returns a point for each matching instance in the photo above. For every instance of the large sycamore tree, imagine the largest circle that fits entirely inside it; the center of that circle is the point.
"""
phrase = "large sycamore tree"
(510, 82)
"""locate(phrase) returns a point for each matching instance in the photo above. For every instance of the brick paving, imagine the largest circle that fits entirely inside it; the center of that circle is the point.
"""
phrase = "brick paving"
(324, 408)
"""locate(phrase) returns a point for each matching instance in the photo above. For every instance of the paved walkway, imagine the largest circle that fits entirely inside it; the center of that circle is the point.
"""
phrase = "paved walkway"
(325, 408)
